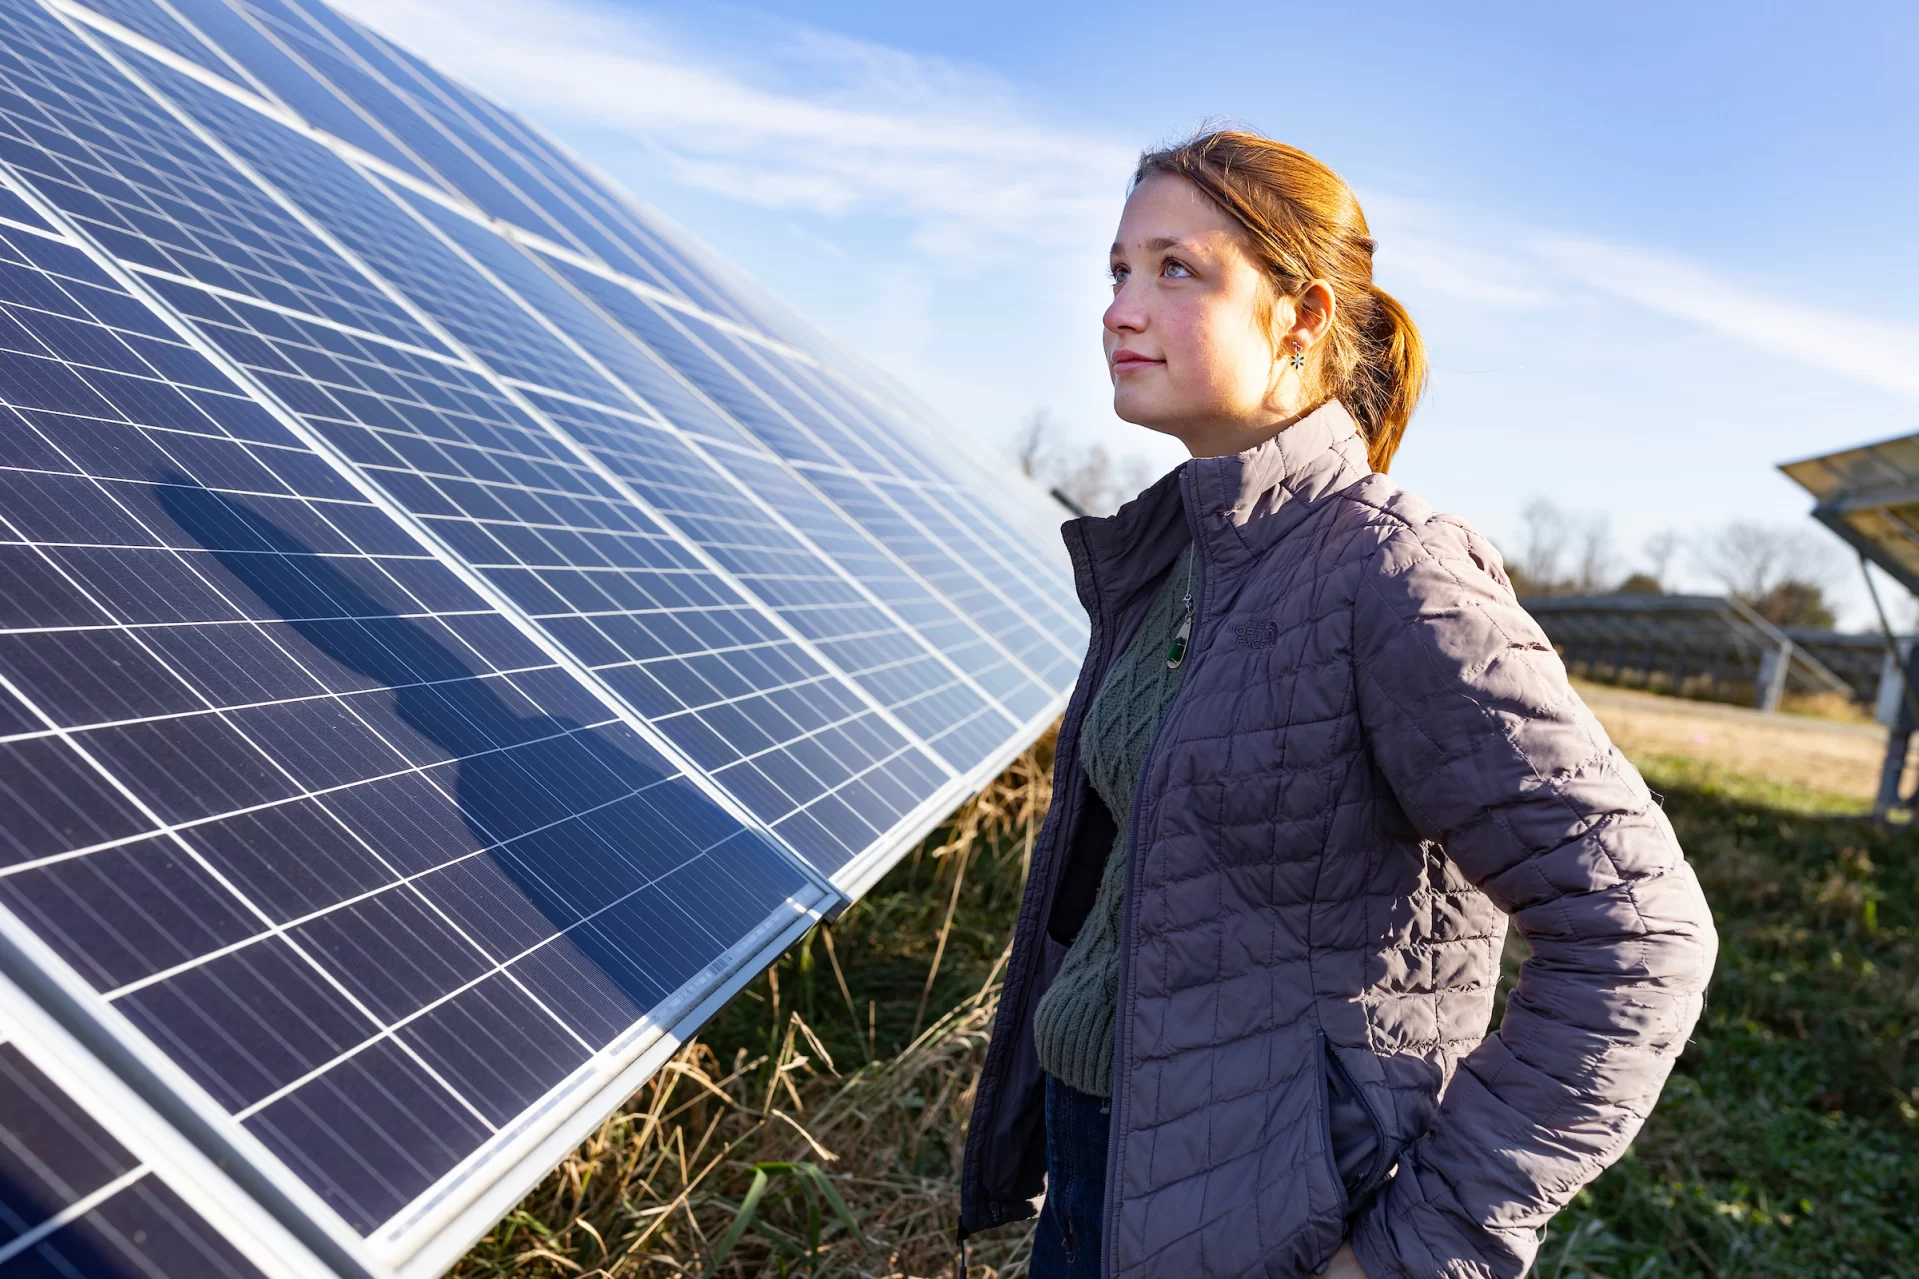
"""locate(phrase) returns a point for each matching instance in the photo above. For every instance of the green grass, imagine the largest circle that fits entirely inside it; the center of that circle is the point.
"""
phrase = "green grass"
(1787, 1142)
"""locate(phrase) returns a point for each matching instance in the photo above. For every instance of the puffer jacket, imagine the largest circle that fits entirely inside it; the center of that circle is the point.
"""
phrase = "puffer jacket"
(1374, 760)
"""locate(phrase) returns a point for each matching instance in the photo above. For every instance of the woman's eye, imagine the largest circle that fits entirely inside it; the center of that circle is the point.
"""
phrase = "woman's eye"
(1177, 270)
(1118, 274)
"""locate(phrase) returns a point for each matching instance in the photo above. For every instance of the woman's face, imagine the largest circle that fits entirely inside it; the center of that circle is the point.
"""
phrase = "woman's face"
(1187, 338)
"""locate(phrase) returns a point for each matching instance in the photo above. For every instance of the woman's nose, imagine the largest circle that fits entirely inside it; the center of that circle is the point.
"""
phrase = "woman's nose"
(1123, 316)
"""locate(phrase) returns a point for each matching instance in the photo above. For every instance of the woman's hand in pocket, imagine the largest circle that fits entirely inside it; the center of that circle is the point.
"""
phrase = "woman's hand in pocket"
(1344, 1265)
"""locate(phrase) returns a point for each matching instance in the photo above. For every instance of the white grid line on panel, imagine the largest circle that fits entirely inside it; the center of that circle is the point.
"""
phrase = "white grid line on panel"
(251, 81)
(929, 761)
(330, 43)
(927, 490)
(281, 930)
(431, 1234)
(421, 99)
(134, 202)
(305, 317)
(160, 826)
(347, 702)
(72, 1212)
(747, 607)
(473, 580)
(713, 450)
(184, 1086)
(800, 427)
(271, 31)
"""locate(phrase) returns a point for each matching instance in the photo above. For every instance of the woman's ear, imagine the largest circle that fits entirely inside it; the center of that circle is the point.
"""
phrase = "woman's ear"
(1312, 316)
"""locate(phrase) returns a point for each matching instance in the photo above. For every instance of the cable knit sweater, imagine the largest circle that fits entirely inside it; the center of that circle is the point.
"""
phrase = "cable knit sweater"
(1073, 1024)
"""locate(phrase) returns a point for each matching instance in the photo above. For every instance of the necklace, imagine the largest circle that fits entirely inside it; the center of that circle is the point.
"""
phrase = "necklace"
(1183, 633)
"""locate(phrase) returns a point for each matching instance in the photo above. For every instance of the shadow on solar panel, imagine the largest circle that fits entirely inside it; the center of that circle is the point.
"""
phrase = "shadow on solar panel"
(582, 827)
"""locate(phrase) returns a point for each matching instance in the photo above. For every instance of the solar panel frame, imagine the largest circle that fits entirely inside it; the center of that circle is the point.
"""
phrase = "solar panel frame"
(92, 1100)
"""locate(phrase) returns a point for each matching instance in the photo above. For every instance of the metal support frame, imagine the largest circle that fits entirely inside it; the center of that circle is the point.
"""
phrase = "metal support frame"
(1905, 719)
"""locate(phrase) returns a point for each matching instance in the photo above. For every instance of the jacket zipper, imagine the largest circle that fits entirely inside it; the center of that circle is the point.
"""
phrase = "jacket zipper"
(1130, 895)
(1380, 1155)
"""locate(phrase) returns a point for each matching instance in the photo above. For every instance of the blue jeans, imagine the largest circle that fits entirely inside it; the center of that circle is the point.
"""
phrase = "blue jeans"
(1066, 1242)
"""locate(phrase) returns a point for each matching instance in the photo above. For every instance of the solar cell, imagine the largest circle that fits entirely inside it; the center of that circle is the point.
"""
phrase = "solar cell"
(440, 660)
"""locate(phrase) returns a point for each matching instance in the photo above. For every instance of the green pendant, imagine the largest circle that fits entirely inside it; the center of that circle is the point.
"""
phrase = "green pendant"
(1176, 651)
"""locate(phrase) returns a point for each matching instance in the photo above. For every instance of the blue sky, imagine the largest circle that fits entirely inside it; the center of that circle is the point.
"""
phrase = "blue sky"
(1655, 249)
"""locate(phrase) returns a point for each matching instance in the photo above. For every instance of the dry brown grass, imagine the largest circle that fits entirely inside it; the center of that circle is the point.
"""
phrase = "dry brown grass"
(1827, 754)
(656, 1189)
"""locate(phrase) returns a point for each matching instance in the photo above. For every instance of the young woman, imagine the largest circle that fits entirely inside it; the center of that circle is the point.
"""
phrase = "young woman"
(1317, 756)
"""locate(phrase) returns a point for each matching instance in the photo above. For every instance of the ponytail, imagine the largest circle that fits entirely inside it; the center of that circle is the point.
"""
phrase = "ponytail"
(1386, 383)
(1303, 223)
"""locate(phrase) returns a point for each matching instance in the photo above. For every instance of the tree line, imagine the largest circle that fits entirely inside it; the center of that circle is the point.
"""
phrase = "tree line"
(1781, 572)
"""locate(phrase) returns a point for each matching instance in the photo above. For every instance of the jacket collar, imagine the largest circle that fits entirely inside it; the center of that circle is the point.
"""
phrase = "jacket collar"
(1233, 507)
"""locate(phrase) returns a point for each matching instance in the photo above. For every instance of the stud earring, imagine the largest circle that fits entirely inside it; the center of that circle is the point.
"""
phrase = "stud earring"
(1298, 360)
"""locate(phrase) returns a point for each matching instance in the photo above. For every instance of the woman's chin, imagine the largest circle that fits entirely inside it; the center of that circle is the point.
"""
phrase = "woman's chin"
(1141, 410)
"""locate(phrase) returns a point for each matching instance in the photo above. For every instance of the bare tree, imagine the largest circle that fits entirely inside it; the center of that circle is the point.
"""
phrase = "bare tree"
(1562, 553)
(1659, 551)
(1595, 572)
(1751, 559)
(1543, 540)
(1035, 443)
(1091, 479)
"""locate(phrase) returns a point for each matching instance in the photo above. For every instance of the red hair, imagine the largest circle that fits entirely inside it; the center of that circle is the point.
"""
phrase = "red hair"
(1303, 223)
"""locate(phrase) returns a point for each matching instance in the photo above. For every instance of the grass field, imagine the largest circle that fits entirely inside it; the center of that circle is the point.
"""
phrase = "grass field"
(1787, 1143)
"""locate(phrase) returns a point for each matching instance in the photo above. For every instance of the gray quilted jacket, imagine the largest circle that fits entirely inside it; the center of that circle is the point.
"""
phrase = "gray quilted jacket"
(1375, 758)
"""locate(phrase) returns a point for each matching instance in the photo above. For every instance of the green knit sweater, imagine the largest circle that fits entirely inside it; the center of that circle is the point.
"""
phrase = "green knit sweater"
(1073, 1024)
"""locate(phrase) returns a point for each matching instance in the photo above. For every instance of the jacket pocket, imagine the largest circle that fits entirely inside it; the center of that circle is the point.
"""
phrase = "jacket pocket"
(1356, 1145)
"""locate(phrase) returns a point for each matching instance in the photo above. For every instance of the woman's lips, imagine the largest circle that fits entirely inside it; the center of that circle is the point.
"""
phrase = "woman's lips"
(1126, 361)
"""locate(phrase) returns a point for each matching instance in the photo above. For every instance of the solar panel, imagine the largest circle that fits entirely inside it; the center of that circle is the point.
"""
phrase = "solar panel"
(1707, 644)
(452, 635)
(1869, 496)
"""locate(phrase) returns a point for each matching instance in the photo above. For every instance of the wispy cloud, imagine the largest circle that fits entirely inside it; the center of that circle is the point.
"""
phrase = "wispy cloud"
(1879, 353)
(788, 117)
(792, 118)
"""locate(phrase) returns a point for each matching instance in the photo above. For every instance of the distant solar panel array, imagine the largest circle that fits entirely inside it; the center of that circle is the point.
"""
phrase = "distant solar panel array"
(1869, 496)
(452, 634)
(1705, 645)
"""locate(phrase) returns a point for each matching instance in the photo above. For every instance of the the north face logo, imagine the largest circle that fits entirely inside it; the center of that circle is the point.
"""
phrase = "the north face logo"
(1257, 634)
